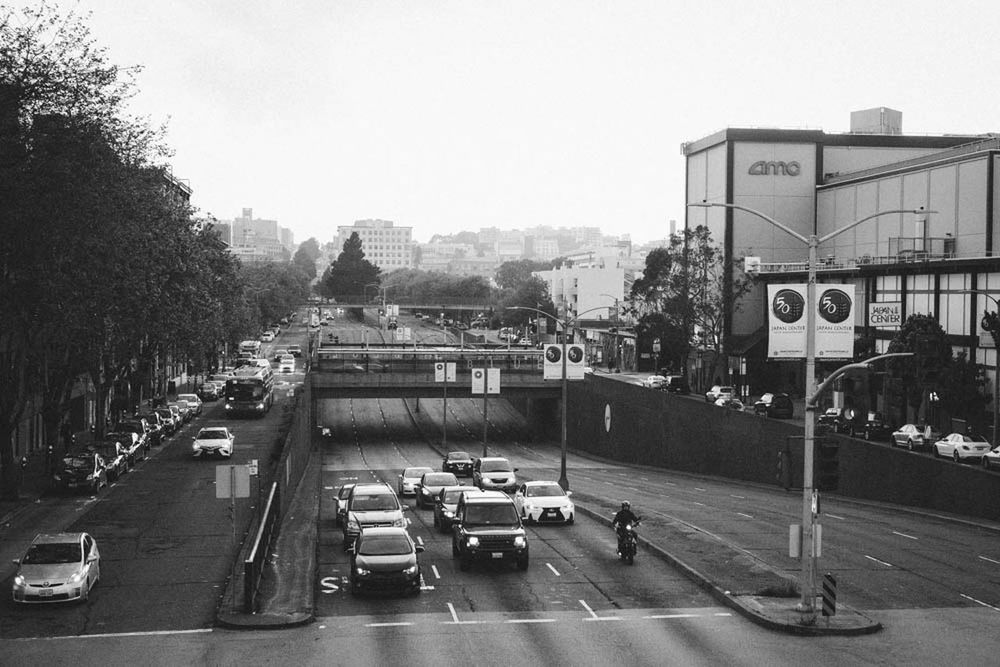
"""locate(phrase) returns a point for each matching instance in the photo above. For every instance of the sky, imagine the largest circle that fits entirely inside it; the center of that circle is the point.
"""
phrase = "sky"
(454, 115)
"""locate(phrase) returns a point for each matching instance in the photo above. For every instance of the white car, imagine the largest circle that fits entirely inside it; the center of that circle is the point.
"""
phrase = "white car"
(194, 403)
(215, 440)
(960, 447)
(717, 392)
(991, 459)
(287, 364)
(408, 480)
(57, 567)
(731, 403)
(654, 381)
(544, 502)
(266, 337)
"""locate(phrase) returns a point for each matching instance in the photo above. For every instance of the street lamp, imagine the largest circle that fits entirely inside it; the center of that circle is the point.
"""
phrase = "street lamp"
(993, 320)
(563, 480)
(807, 581)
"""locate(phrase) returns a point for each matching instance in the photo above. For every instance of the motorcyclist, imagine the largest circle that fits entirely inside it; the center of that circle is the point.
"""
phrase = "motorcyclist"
(623, 517)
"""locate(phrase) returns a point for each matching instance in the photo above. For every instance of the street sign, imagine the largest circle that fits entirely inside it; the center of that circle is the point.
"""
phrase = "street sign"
(553, 367)
(493, 380)
(478, 381)
(407, 333)
(232, 481)
(656, 345)
(444, 371)
(252, 466)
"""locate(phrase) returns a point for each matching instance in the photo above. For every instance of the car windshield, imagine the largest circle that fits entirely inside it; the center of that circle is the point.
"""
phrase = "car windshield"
(438, 479)
(190, 398)
(495, 466)
(84, 462)
(451, 497)
(491, 515)
(415, 472)
(547, 490)
(47, 553)
(384, 545)
(458, 456)
(376, 502)
(213, 434)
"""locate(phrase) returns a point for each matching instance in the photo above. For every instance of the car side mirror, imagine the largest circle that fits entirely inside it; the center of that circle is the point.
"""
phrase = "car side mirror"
(515, 469)
(16, 561)
(419, 548)
(569, 493)
(350, 547)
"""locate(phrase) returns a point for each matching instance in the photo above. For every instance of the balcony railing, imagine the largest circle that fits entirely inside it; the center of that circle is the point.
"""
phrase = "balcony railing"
(902, 250)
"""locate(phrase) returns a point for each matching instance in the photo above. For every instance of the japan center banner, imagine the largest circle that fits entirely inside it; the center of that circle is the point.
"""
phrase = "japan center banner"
(787, 321)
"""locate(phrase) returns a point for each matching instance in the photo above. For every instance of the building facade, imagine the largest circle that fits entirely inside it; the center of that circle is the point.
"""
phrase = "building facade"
(385, 245)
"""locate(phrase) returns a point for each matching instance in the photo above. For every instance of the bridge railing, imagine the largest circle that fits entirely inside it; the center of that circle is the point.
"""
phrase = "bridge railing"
(460, 302)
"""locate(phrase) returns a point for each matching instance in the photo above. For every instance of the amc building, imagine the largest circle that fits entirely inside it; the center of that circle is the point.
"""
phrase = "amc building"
(814, 182)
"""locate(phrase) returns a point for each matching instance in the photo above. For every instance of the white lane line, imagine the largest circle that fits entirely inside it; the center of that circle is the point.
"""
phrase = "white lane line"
(979, 602)
(530, 620)
(880, 562)
(594, 616)
(746, 515)
(387, 625)
(150, 633)
(699, 504)
(990, 560)
(834, 516)
(722, 613)
(434, 569)
(420, 540)
(738, 497)
(674, 616)
(554, 570)
(454, 616)
(909, 537)
(328, 488)
(698, 488)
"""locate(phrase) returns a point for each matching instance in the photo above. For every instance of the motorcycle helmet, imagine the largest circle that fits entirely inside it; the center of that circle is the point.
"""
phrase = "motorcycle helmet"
(626, 505)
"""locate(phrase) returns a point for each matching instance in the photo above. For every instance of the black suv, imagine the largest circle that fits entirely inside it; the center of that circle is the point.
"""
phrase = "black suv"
(487, 527)
(778, 406)
(676, 384)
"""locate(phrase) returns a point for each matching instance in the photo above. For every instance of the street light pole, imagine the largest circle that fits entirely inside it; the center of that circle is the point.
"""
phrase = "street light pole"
(807, 581)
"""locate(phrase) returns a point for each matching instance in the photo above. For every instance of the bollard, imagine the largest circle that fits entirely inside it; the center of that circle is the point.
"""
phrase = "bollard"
(829, 595)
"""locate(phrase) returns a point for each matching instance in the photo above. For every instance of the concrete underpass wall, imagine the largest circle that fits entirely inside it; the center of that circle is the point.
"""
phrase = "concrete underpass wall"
(636, 425)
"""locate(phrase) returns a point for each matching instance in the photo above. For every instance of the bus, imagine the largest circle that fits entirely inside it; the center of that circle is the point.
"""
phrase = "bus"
(250, 391)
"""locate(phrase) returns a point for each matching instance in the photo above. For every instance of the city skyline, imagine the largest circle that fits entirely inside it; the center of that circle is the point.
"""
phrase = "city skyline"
(447, 116)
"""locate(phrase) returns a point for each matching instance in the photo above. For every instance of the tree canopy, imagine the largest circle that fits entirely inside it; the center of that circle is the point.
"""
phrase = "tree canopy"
(347, 276)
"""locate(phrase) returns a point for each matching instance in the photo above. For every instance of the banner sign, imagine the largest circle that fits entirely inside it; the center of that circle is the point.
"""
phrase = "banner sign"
(444, 372)
(787, 321)
(887, 314)
(553, 368)
(486, 379)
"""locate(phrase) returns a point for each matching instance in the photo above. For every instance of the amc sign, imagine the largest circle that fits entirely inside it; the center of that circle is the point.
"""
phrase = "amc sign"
(762, 168)
(888, 314)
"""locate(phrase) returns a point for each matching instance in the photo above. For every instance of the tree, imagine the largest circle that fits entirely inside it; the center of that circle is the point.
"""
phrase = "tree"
(305, 257)
(348, 275)
(922, 335)
(532, 293)
(511, 275)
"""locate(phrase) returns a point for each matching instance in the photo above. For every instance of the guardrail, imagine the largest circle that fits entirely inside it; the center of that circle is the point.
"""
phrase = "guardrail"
(256, 559)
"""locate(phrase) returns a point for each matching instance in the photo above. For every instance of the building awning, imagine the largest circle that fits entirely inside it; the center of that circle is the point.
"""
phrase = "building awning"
(741, 346)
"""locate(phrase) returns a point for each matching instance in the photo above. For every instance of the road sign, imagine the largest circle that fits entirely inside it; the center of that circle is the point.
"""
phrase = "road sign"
(490, 379)
(444, 371)
(656, 345)
(232, 481)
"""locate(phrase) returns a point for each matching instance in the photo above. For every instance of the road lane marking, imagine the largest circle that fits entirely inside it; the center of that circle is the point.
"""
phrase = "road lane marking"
(699, 504)
(880, 562)
(530, 620)
(454, 617)
(909, 537)
(554, 570)
(106, 635)
(594, 616)
(990, 560)
(387, 625)
(746, 515)
(698, 488)
(434, 569)
(674, 616)
(834, 516)
(738, 497)
(979, 602)
(420, 540)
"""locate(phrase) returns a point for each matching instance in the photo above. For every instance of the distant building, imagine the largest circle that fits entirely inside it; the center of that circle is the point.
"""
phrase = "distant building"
(577, 290)
(385, 245)
(259, 240)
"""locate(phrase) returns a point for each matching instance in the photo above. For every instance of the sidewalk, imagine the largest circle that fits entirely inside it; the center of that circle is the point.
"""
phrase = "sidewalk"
(34, 485)
(733, 576)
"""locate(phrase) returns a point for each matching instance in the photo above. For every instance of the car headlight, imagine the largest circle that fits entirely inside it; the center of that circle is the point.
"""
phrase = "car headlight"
(362, 572)
(260, 406)
(19, 580)
(196, 446)
(77, 577)
(58, 478)
(410, 570)
(569, 507)
(399, 523)
(352, 523)
(229, 406)
(91, 475)
(529, 507)
(449, 514)
(473, 541)
(519, 542)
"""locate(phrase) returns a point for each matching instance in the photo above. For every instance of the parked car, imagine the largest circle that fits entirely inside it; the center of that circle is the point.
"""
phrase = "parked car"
(459, 463)
(267, 337)
(991, 459)
(295, 350)
(183, 409)
(134, 450)
(409, 478)
(717, 392)
(57, 567)
(213, 441)
(870, 425)
(832, 417)
(544, 502)
(113, 456)
(142, 430)
(730, 404)
(913, 437)
(82, 470)
(193, 402)
(445, 504)
(654, 381)
(167, 419)
(960, 447)
(385, 559)
(209, 391)
(676, 384)
(159, 423)
(778, 406)
(429, 485)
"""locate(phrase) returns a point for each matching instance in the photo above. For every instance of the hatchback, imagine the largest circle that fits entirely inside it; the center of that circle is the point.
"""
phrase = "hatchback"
(57, 567)
(385, 559)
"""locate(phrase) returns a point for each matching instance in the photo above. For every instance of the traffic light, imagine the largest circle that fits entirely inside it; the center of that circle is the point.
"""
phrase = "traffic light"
(827, 469)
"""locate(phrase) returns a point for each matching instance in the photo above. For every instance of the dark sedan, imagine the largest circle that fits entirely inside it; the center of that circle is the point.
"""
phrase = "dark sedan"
(778, 406)
(430, 484)
(459, 463)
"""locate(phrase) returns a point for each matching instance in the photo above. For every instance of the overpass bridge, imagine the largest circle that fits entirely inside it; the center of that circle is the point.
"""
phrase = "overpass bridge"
(428, 304)
(398, 371)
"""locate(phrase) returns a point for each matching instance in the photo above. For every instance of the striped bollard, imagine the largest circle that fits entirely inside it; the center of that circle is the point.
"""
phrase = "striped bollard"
(829, 595)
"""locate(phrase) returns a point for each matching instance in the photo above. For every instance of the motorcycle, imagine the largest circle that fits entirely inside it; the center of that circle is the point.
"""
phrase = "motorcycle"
(628, 541)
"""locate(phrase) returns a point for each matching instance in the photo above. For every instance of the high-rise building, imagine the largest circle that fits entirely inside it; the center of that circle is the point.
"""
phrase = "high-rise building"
(385, 245)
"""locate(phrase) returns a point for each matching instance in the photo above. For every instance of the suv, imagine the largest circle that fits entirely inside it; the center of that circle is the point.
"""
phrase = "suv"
(494, 473)
(778, 406)
(371, 505)
(717, 392)
(487, 526)
(676, 384)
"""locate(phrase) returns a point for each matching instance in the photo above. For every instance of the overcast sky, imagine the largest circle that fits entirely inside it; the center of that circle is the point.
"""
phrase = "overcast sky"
(461, 114)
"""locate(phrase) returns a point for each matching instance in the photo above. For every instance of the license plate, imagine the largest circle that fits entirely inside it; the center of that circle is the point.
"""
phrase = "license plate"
(496, 554)
(45, 593)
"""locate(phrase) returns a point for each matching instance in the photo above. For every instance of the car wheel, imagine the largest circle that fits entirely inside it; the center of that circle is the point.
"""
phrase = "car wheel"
(986, 463)
(464, 563)
(937, 452)
(437, 521)
(909, 444)
(569, 521)
(956, 457)
(454, 549)
(522, 563)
